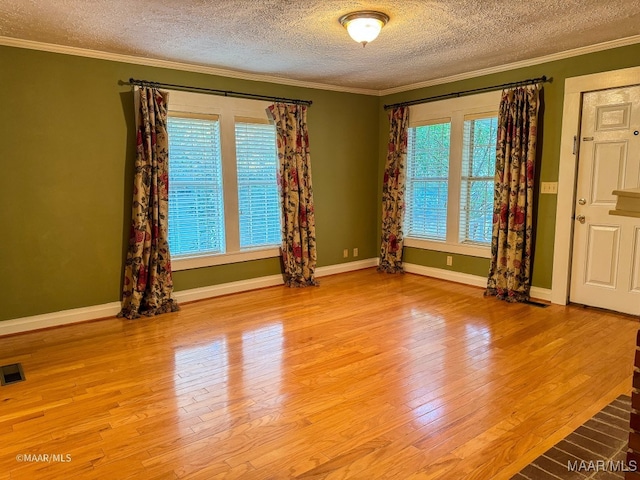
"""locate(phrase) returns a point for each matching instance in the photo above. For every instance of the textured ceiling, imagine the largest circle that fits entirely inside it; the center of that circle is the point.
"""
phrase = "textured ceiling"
(302, 39)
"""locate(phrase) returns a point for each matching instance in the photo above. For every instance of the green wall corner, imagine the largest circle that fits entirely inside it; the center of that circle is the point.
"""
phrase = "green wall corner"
(548, 143)
(67, 158)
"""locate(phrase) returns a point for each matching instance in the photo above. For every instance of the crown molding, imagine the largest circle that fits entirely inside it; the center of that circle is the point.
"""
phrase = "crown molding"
(597, 47)
(186, 67)
(195, 68)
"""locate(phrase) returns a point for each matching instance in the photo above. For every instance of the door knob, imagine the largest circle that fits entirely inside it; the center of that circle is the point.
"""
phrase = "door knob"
(580, 218)
(582, 201)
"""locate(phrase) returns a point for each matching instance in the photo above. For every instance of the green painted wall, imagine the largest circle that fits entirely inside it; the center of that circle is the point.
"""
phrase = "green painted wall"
(461, 263)
(66, 159)
(67, 153)
(549, 145)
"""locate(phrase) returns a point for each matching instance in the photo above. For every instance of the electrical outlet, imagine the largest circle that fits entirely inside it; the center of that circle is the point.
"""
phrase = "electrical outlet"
(355, 252)
(549, 187)
(449, 260)
(345, 253)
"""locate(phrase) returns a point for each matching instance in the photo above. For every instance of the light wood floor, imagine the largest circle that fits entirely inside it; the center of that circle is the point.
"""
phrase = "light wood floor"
(368, 376)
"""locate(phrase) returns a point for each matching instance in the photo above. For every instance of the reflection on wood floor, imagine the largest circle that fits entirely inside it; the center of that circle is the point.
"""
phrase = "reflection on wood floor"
(368, 376)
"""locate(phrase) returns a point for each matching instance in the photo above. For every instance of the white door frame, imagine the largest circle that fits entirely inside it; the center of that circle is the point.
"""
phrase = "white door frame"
(574, 87)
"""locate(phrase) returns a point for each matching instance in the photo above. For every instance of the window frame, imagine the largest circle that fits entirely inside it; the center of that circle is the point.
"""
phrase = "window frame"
(261, 123)
(455, 109)
(470, 179)
(215, 187)
(227, 109)
(427, 180)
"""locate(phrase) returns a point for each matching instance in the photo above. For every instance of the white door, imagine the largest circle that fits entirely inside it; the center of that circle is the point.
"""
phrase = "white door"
(605, 268)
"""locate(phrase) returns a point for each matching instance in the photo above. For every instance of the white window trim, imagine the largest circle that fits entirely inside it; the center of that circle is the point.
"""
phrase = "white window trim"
(187, 263)
(456, 109)
(228, 109)
(469, 249)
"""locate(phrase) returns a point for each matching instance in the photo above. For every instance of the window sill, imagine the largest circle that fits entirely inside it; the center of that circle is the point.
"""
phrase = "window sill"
(187, 263)
(460, 248)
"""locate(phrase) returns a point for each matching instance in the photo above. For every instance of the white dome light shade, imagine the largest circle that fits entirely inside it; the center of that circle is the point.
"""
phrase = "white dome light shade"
(364, 26)
(364, 30)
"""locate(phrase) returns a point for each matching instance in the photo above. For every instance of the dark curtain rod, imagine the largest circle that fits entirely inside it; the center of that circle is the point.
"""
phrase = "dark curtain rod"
(213, 91)
(521, 83)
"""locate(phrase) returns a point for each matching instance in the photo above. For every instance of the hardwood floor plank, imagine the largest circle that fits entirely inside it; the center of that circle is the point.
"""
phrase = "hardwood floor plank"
(221, 471)
(368, 376)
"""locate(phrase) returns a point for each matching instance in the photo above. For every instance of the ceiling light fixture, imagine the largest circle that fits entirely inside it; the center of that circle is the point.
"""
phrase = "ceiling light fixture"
(365, 25)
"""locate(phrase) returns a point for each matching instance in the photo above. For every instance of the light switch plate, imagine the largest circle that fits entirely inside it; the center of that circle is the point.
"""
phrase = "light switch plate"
(549, 187)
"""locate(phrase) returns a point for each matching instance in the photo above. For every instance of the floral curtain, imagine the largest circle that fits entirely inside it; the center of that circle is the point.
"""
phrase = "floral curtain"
(509, 273)
(298, 218)
(393, 187)
(147, 276)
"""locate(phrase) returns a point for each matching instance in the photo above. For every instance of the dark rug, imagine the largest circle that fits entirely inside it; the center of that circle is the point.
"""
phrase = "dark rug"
(595, 450)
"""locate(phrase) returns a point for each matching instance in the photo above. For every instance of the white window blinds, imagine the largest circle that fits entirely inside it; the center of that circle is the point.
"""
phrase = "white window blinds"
(258, 198)
(196, 210)
(427, 181)
(477, 181)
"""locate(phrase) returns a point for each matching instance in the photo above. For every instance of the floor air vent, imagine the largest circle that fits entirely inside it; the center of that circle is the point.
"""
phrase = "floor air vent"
(537, 304)
(11, 374)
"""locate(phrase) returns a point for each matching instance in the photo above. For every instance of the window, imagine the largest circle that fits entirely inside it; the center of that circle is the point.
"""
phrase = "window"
(258, 198)
(478, 172)
(223, 194)
(427, 181)
(451, 155)
(196, 208)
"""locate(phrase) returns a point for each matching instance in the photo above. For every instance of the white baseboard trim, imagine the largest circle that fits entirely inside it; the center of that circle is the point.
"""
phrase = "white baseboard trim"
(263, 282)
(202, 293)
(346, 267)
(75, 315)
(467, 279)
(443, 274)
(539, 293)
(56, 319)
